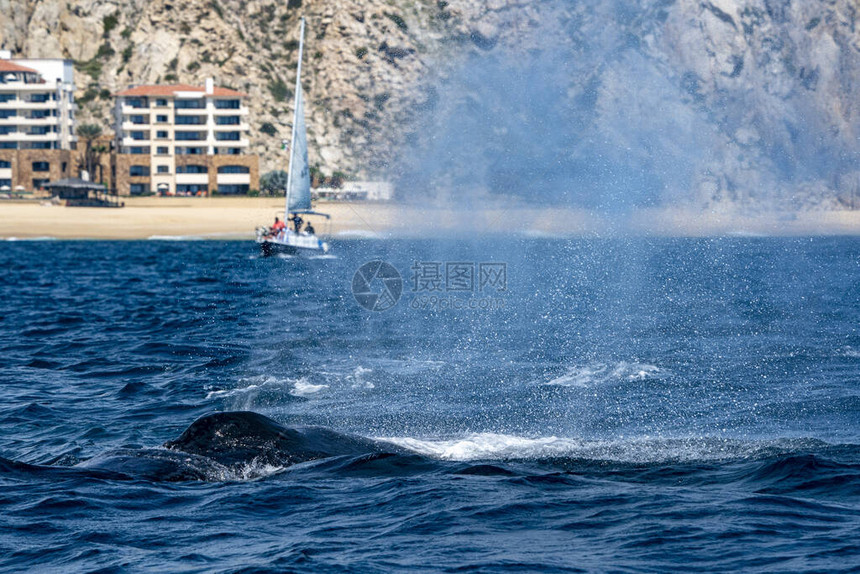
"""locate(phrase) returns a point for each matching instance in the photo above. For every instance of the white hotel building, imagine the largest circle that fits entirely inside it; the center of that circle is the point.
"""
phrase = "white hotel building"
(37, 121)
(183, 140)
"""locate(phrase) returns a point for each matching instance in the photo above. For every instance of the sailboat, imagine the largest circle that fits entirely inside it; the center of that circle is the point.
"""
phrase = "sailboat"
(298, 193)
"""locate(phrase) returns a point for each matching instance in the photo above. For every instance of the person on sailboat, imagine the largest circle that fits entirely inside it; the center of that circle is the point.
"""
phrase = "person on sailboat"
(297, 222)
(309, 229)
(277, 227)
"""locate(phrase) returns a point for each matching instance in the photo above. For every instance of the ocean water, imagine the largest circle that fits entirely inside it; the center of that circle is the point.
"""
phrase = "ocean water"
(533, 404)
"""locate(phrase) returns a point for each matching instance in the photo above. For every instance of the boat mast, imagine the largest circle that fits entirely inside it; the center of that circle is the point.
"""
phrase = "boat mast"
(295, 120)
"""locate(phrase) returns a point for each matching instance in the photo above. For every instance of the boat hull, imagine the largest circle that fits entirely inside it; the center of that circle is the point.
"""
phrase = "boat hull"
(292, 244)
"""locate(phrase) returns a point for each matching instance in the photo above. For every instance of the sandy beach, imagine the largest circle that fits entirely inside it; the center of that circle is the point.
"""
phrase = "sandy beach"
(236, 218)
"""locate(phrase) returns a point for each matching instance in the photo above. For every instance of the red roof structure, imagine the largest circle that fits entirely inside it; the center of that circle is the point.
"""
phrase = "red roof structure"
(9, 66)
(171, 89)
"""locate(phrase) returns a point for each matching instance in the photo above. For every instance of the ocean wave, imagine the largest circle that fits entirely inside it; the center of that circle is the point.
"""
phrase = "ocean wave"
(39, 238)
(597, 373)
(359, 234)
(303, 388)
(358, 378)
(496, 447)
(200, 237)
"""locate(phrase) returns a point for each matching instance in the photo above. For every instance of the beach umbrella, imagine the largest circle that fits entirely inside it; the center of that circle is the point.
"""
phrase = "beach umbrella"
(19, 188)
(5, 188)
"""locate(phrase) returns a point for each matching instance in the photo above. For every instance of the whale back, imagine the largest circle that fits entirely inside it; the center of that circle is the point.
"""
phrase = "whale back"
(242, 437)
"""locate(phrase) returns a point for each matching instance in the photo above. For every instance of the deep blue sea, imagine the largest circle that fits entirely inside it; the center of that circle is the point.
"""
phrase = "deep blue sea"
(531, 405)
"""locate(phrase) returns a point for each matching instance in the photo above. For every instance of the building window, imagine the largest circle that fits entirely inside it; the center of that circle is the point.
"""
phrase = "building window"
(233, 169)
(227, 136)
(41, 166)
(5, 164)
(227, 120)
(8, 145)
(7, 98)
(161, 119)
(189, 104)
(138, 136)
(138, 170)
(192, 136)
(139, 188)
(190, 151)
(138, 120)
(161, 134)
(39, 114)
(161, 102)
(39, 99)
(227, 104)
(6, 183)
(6, 114)
(192, 169)
(162, 169)
(161, 150)
(137, 102)
(63, 167)
(40, 183)
(6, 130)
(138, 150)
(233, 189)
(189, 120)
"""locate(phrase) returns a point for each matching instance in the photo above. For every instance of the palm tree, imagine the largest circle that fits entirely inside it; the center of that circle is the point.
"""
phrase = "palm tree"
(90, 133)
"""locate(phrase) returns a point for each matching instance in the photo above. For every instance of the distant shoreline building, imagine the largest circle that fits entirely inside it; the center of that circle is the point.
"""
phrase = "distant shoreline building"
(37, 121)
(182, 140)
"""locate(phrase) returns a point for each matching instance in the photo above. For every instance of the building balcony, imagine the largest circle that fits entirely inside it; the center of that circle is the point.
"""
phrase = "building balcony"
(241, 127)
(191, 111)
(25, 105)
(192, 178)
(243, 111)
(234, 178)
(24, 137)
(128, 110)
(231, 143)
(131, 142)
(133, 127)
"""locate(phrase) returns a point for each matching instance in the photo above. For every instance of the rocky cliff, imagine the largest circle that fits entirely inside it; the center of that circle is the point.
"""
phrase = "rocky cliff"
(601, 103)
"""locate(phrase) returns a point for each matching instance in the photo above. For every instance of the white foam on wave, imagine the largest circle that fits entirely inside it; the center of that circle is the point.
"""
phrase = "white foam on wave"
(201, 237)
(250, 385)
(304, 388)
(358, 378)
(253, 470)
(39, 238)
(359, 234)
(599, 373)
(850, 352)
(175, 238)
(492, 446)
(409, 366)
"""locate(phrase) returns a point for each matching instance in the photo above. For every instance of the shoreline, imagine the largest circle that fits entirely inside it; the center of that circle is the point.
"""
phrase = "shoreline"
(236, 218)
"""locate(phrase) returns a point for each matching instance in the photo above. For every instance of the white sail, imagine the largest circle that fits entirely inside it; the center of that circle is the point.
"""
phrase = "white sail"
(299, 179)
(300, 182)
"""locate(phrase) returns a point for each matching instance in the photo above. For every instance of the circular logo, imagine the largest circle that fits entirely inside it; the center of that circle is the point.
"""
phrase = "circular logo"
(377, 286)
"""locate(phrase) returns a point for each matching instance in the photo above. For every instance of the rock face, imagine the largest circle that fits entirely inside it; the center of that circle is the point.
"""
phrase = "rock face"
(591, 102)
